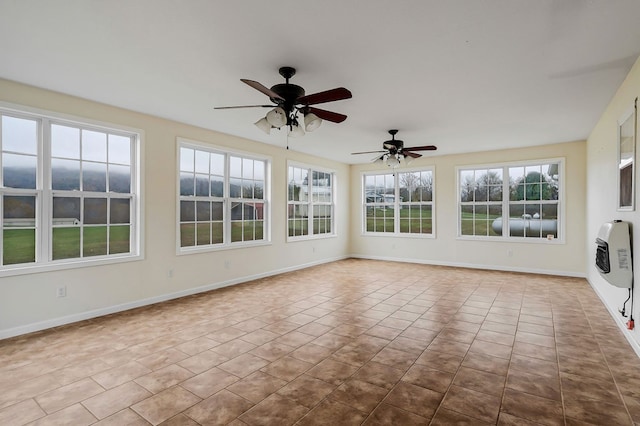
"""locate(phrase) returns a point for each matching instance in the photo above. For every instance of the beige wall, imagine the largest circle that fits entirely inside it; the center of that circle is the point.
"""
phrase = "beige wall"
(446, 249)
(602, 195)
(29, 302)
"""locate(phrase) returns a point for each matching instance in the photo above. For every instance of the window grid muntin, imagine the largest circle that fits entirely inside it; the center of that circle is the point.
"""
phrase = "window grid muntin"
(526, 201)
(43, 192)
(386, 212)
(250, 192)
(312, 213)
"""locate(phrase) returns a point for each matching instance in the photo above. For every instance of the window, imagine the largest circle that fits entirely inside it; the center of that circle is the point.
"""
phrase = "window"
(310, 202)
(222, 198)
(528, 194)
(68, 193)
(399, 203)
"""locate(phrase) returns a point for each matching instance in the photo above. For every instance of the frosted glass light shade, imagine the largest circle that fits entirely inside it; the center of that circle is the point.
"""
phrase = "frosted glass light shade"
(263, 125)
(312, 122)
(277, 117)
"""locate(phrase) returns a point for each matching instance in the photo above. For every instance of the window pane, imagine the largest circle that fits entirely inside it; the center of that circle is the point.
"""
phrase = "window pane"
(217, 232)
(247, 168)
(19, 170)
(119, 179)
(65, 141)
(235, 167)
(217, 209)
(94, 146)
(19, 229)
(217, 164)
(258, 211)
(65, 174)
(203, 211)
(187, 234)
(202, 162)
(187, 183)
(203, 233)
(258, 170)
(19, 135)
(258, 190)
(94, 177)
(119, 149)
(19, 210)
(66, 243)
(247, 189)
(235, 188)
(119, 239)
(120, 211)
(296, 183)
(187, 211)
(217, 186)
(95, 211)
(19, 246)
(94, 241)
(467, 185)
(187, 159)
(202, 185)
(66, 211)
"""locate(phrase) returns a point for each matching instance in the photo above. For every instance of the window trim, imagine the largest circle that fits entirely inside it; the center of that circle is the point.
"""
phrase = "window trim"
(310, 236)
(227, 200)
(561, 239)
(44, 212)
(396, 222)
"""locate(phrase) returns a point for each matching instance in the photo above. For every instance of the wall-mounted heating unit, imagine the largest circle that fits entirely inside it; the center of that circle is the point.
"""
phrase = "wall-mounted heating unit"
(613, 254)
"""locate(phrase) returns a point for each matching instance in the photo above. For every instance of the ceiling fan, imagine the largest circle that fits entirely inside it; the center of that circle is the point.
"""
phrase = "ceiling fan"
(394, 151)
(289, 100)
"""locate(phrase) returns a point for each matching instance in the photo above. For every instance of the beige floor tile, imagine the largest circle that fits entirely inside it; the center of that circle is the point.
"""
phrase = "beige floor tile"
(116, 399)
(21, 413)
(372, 342)
(165, 405)
(68, 395)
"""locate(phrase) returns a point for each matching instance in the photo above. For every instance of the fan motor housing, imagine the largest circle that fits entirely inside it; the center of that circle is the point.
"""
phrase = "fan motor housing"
(290, 92)
(393, 145)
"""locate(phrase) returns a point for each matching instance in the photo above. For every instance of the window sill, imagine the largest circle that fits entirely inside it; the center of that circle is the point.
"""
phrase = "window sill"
(61, 265)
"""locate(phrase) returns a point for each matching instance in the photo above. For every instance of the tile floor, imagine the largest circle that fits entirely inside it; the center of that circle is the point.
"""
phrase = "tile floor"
(350, 342)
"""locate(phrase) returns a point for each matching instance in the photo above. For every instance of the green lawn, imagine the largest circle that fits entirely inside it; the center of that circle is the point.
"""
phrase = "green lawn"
(382, 220)
(19, 245)
(211, 233)
(478, 224)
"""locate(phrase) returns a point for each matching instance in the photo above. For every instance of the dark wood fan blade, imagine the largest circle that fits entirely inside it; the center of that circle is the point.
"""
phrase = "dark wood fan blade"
(367, 152)
(421, 148)
(259, 87)
(336, 94)
(411, 154)
(328, 115)
(245, 106)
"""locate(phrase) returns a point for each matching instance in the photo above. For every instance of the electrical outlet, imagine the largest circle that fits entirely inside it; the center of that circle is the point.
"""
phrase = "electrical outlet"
(510, 253)
(61, 291)
(227, 264)
(170, 273)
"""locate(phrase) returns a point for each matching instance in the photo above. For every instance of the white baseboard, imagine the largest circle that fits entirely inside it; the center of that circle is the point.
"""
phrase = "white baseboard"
(68, 319)
(618, 319)
(474, 266)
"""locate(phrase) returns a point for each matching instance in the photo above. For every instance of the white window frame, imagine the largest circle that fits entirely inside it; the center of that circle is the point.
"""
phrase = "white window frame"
(226, 199)
(397, 204)
(311, 203)
(44, 193)
(506, 202)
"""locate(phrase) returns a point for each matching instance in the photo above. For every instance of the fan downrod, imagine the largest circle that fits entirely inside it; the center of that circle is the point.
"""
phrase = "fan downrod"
(393, 132)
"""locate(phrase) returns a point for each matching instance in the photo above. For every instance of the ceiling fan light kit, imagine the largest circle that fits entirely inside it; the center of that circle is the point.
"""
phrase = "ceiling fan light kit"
(395, 154)
(289, 101)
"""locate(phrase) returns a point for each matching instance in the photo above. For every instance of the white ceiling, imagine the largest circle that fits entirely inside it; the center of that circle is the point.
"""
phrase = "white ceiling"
(465, 75)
